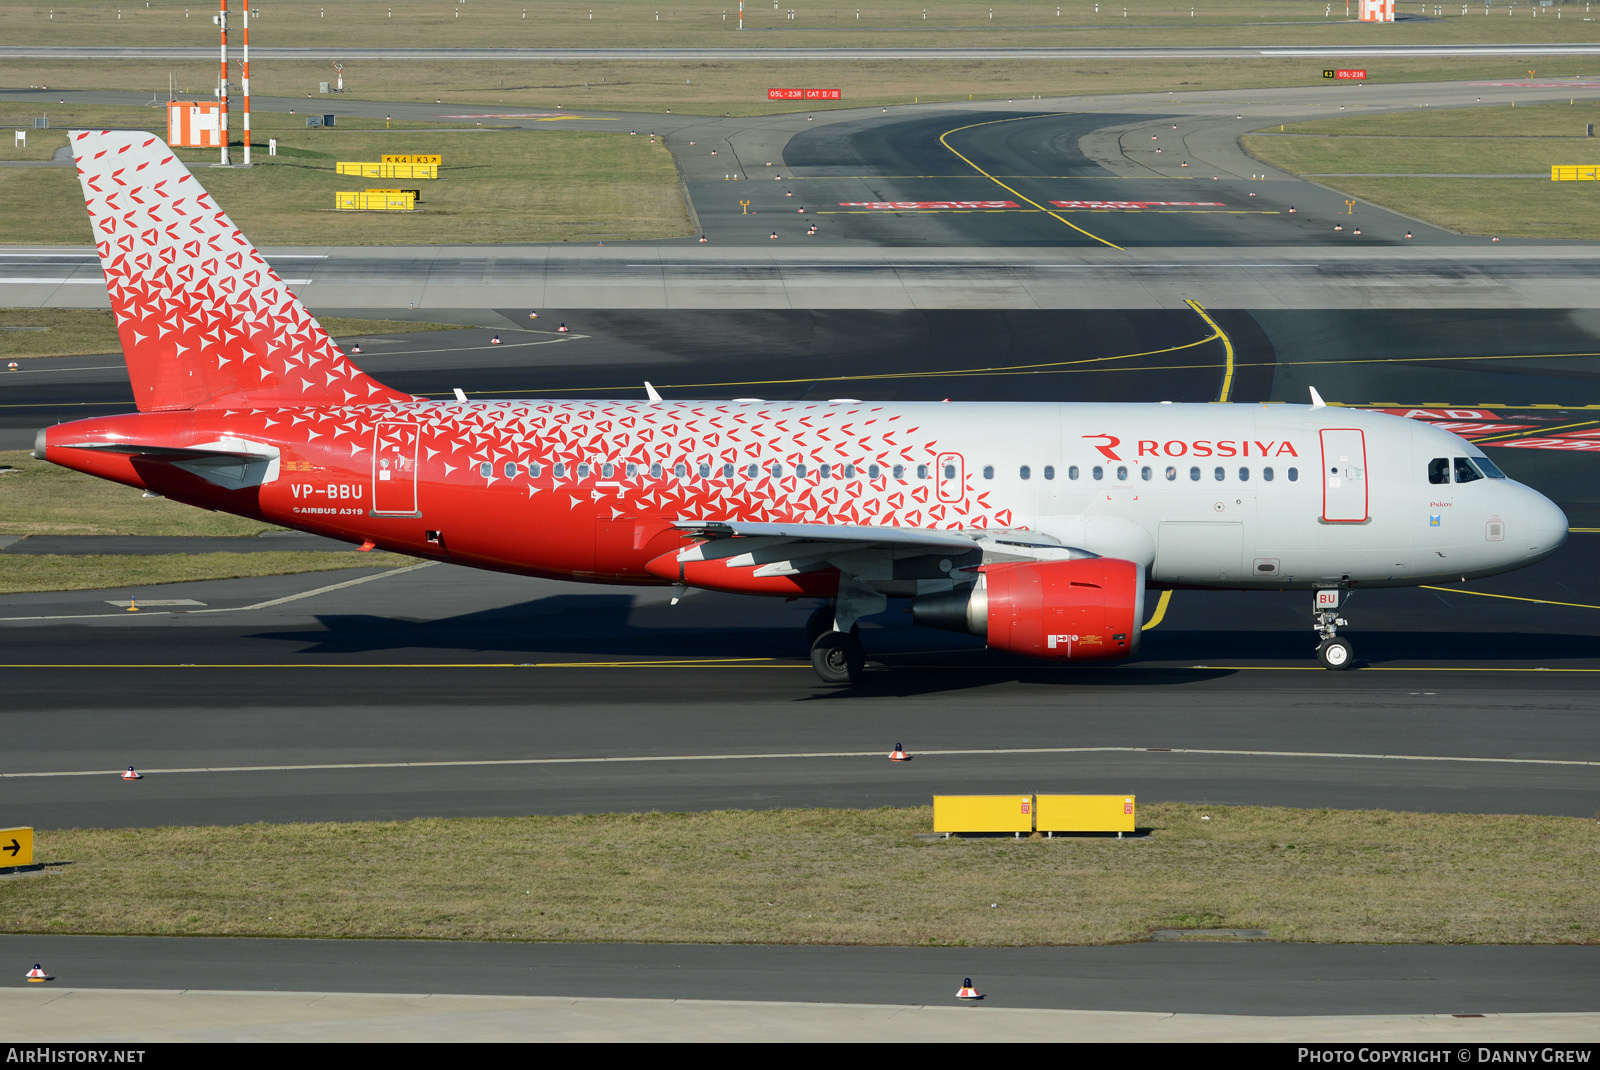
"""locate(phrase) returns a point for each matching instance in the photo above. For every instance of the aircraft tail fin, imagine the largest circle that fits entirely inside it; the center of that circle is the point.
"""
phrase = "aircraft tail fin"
(204, 320)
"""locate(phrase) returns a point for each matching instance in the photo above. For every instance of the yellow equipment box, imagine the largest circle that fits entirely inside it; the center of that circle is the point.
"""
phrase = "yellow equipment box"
(375, 200)
(387, 170)
(414, 157)
(16, 847)
(983, 813)
(1575, 172)
(1084, 813)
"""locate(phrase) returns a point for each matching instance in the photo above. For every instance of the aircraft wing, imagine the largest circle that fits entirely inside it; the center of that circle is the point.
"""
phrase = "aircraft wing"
(845, 537)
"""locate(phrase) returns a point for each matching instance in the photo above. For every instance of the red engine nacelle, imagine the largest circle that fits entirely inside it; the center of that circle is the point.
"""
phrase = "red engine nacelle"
(1082, 610)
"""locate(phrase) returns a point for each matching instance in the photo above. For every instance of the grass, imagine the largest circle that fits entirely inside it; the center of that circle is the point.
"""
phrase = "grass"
(1472, 141)
(66, 332)
(495, 187)
(633, 24)
(829, 877)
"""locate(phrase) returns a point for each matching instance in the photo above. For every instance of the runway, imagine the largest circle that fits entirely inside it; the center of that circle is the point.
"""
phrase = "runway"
(443, 692)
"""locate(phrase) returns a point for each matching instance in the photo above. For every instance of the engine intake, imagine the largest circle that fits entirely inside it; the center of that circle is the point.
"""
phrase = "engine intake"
(1085, 610)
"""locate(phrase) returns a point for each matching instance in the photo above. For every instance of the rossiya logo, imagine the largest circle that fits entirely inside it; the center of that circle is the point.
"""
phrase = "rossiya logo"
(1108, 449)
(1195, 447)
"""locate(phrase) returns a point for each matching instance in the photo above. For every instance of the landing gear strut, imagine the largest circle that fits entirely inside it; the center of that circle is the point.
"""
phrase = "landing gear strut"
(1332, 651)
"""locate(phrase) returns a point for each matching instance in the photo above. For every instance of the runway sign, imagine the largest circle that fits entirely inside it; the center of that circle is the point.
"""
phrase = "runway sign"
(890, 206)
(803, 94)
(16, 845)
(1123, 206)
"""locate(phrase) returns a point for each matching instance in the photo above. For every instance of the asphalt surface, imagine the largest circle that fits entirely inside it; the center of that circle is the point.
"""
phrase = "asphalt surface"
(334, 704)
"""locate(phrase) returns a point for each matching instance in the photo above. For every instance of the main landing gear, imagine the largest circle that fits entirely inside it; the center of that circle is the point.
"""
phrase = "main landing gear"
(1332, 651)
(837, 657)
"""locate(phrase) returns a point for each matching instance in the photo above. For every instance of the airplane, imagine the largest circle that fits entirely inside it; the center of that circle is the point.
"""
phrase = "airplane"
(1040, 527)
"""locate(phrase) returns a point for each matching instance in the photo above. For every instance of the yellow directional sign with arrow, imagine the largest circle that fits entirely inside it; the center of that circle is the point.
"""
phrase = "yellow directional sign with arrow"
(16, 847)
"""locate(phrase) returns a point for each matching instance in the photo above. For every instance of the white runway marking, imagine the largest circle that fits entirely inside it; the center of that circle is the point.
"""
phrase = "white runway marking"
(779, 756)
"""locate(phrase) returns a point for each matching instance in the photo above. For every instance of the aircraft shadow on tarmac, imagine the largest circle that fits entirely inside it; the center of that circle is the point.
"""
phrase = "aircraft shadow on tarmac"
(717, 628)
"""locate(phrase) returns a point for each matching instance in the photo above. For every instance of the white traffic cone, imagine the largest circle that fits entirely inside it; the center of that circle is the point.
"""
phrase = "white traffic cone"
(967, 991)
(899, 754)
(131, 775)
(38, 974)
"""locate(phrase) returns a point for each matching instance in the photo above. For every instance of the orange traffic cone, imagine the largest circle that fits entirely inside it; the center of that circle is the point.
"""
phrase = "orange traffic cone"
(563, 329)
(775, 236)
(899, 754)
(1408, 234)
(495, 340)
(533, 315)
(131, 775)
(1291, 209)
(38, 974)
(967, 991)
(355, 349)
(12, 366)
(702, 239)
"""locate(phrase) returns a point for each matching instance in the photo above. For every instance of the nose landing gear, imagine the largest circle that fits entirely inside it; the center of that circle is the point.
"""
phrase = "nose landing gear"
(1332, 651)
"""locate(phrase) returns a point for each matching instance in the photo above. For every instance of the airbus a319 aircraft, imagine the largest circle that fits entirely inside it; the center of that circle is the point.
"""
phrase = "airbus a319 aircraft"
(1039, 527)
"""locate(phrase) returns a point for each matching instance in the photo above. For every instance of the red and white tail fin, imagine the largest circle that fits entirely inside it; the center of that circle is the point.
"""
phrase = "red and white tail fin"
(205, 322)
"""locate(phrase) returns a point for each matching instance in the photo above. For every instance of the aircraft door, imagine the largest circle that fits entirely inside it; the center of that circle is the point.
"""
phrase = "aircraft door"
(394, 469)
(1344, 475)
(951, 473)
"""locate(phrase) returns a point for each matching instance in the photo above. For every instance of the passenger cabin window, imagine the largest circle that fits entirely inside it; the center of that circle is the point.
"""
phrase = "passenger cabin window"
(1072, 471)
(777, 471)
(751, 471)
(825, 471)
(799, 471)
(1122, 473)
(1147, 473)
(727, 471)
(510, 469)
(705, 471)
(1244, 475)
(1294, 475)
(988, 471)
(583, 470)
(607, 471)
(535, 470)
(1026, 472)
(1219, 474)
(1439, 470)
(1172, 472)
(1049, 471)
(1466, 471)
(486, 469)
(849, 471)
(922, 471)
(873, 471)
(632, 470)
(1194, 475)
(560, 469)
(1266, 475)
(949, 471)
(655, 470)
(1099, 472)
(899, 471)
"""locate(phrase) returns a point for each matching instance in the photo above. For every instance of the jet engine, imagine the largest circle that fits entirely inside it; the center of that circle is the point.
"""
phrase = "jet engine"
(1082, 610)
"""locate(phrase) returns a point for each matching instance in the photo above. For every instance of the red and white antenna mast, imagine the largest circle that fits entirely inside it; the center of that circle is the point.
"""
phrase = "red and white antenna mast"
(244, 81)
(222, 89)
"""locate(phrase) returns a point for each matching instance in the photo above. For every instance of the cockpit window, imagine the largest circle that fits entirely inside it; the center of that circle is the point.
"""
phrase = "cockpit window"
(1439, 470)
(1466, 471)
(1488, 467)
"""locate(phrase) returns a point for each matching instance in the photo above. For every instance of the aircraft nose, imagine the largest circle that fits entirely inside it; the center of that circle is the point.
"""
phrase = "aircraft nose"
(1545, 525)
